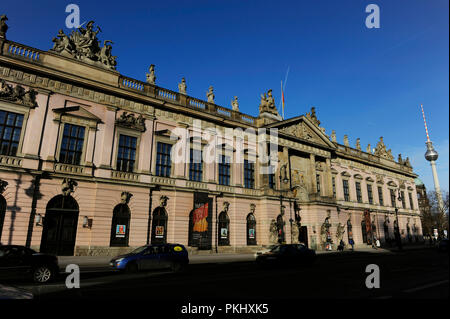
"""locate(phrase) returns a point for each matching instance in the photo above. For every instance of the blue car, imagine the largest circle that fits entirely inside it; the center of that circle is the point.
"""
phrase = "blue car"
(149, 257)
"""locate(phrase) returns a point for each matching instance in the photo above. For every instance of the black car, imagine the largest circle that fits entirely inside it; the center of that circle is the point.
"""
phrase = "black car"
(172, 256)
(443, 245)
(287, 254)
(19, 261)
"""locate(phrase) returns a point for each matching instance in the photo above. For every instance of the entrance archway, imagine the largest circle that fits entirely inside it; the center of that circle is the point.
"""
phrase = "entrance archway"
(2, 213)
(251, 229)
(159, 226)
(60, 226)
(120, 226)
(224, 229)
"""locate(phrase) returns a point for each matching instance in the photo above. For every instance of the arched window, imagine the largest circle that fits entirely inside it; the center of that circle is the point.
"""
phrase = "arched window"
(159, 226)
(349, 230)
(2, 213)
(120, 226)
(251, 229)
(224, 233)
(60, 226)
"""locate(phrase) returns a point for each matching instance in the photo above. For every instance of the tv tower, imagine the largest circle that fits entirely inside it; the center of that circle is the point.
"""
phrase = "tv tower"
(431, 155)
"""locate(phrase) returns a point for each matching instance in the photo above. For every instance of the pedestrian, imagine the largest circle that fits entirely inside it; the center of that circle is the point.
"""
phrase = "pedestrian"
(341, 246)
(352, 243)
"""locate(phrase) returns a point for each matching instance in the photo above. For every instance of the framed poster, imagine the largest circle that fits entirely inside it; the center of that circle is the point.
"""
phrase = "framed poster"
(223, 232)
(120, 231)
(251, 233)
(159, 231)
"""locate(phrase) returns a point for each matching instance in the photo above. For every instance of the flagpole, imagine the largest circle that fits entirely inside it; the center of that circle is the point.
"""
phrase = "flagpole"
(282, 98)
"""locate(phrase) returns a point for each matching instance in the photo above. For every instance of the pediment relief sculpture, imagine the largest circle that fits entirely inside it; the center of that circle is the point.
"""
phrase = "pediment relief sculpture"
(18, 94)
(125, 197)
(68, 186)
(301, 131)
(129, 120)
(82, 44)
(381, 151)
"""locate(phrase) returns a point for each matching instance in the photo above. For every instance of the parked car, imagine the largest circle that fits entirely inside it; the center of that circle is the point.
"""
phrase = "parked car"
(149, 257)
(19, 261)
(264, 250)
(287, 254)
(442, 245)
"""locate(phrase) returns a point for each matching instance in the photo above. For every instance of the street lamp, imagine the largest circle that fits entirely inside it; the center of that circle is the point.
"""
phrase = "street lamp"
(217, 223)
(284, 180)
(397, 226)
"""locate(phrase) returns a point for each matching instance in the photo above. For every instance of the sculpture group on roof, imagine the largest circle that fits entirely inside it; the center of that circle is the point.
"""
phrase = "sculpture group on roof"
(83, 45)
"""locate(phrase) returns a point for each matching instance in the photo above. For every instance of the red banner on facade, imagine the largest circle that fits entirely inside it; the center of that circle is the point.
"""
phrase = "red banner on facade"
(199, 218)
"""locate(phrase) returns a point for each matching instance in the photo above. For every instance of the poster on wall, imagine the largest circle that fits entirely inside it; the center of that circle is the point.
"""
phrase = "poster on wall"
(251, 233)
(120, 231)
(159, 231)
(224, 233)
(200, 225)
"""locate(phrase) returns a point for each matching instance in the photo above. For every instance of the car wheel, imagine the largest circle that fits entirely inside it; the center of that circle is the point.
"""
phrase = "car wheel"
(42, 274)
(131, 268)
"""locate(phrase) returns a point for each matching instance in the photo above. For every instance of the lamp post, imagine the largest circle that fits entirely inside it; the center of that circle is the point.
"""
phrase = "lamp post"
(397, 226)
(217, 224)
(284, 180)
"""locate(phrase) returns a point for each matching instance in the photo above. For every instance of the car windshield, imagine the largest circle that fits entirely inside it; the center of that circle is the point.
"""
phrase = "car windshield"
(275, 248)
(138, 250)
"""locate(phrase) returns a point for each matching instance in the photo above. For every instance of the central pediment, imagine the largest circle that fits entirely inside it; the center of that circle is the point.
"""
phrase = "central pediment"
(304, 130)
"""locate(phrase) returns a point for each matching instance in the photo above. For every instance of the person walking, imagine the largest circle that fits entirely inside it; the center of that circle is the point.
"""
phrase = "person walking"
(352, 243)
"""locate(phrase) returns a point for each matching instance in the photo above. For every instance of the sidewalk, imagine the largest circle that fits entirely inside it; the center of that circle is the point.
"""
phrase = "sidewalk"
(102, 262)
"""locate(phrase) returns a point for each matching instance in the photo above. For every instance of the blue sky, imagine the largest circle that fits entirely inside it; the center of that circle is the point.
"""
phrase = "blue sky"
(363, 82)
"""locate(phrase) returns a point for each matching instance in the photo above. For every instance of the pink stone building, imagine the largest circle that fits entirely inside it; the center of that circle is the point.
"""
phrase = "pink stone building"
(87, 166)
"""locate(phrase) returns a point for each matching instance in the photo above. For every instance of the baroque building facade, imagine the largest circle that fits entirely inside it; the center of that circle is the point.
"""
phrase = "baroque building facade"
(87, 167)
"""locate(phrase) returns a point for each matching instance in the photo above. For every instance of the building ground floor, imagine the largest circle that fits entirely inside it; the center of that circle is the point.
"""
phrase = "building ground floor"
(84, 217)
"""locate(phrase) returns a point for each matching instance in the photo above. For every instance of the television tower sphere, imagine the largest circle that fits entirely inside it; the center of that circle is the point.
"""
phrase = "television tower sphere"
(431, 154)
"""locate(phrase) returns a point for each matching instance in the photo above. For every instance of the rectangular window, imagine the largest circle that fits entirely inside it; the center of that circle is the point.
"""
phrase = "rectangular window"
(369, 193)
(195, 165)
(393, 203)
(411, 203)
(224, 170)
(126, 155)
(10, 129)
(403, 199)
(72, 144)
(318, 183)
(358, 192)
(249, 174)
(380, 195)
(163, 160)
(346, 191)
(333, 181)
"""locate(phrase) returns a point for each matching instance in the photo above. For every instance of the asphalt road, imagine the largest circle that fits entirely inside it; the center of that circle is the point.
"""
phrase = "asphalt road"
(409, 274)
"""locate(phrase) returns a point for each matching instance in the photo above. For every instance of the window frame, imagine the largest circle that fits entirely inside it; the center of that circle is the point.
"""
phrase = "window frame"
(18, 109)
(83, 148)
(252, 179)
(369, 193)
(346, 186)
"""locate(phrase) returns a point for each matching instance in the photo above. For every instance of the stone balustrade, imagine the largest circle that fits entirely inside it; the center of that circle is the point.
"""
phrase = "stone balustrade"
(10, 161)
(21, 51)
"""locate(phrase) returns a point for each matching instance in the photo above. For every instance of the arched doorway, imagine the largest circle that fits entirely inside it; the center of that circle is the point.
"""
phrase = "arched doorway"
(224, 229)
(159, 226)
(60, 226)
(251, 229)
(120, 226)
(364, 231)
(2, 213)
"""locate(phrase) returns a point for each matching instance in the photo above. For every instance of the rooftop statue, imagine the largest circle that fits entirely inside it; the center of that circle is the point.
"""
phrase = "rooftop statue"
(182, 86)
(83, 45)
(267, 104)
(151, 78)
(358, 144)
(381, 151)
(333, 136)
(3, 26)
(312, 116)
(235, 104)
(210, 94)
